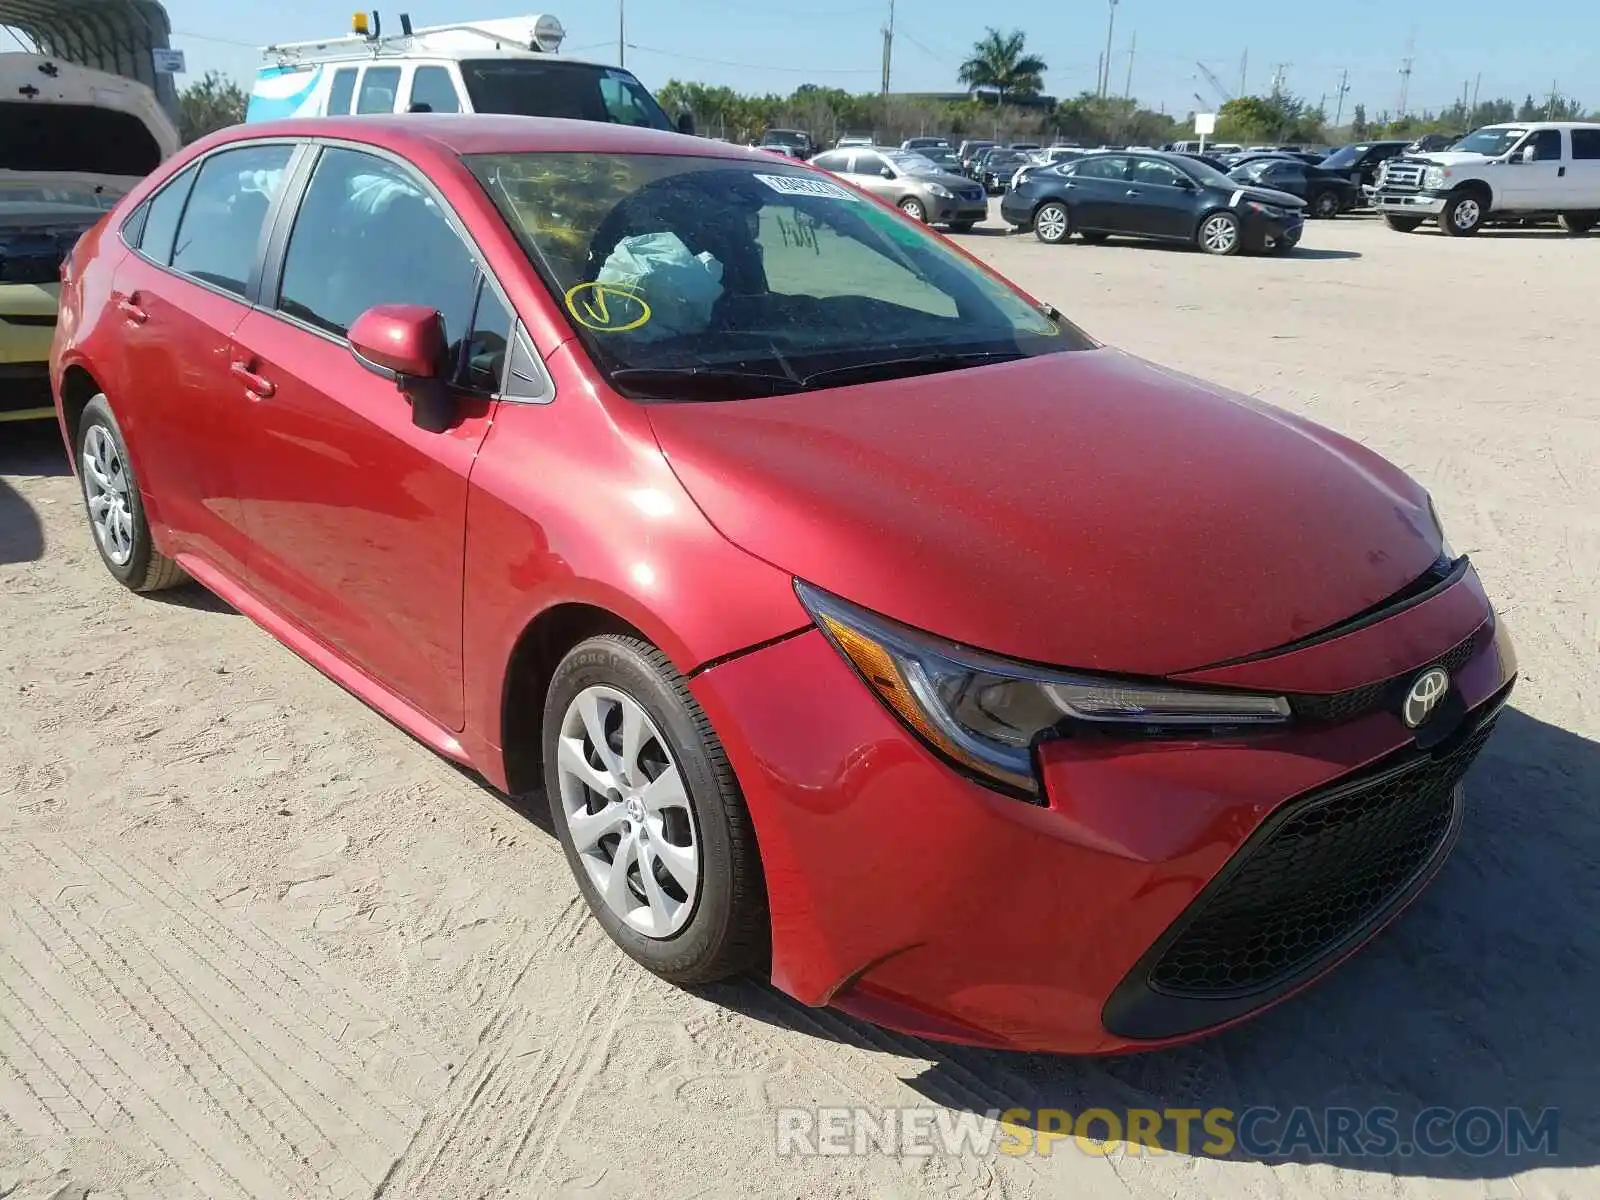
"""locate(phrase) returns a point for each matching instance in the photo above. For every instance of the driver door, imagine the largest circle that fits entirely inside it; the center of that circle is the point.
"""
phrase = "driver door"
(1158, 201)
(1097, 194)
(867, 171)
(1542, 183)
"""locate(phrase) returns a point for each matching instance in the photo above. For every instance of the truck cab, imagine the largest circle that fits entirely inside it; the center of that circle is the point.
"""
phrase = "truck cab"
(505, 65)
(1511, 172)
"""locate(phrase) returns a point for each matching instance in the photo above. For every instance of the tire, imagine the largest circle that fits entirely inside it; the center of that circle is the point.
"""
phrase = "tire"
(722, 928)
(1325, 206)
(1578, 223)
(1402, 224)
(1463, 214)
(114, 507)
(1219, 233)
(1052, 223)
(962, 226)
(912, 207)
(1095, 237)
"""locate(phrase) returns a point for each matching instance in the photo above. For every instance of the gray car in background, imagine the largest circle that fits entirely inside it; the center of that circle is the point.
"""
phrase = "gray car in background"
(911, 182)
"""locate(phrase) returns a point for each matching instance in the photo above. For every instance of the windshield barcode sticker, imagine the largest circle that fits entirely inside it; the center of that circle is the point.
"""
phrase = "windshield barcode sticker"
(799, 185)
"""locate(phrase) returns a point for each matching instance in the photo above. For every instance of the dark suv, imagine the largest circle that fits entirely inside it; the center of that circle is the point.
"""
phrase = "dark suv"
(1359, 162)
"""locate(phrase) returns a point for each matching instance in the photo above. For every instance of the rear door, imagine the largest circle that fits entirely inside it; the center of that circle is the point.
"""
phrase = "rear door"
(180, 295)
(1585, 168)
(356, 517)
(1097, 194)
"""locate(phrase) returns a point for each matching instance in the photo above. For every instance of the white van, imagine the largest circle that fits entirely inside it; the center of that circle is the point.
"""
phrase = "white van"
(73, 141)
(506, 65)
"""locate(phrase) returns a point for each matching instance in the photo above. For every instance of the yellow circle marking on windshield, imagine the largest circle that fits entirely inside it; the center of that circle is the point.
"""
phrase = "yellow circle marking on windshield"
(606, 307)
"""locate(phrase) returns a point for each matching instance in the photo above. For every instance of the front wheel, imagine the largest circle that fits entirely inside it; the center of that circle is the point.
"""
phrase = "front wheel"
(116, 508)
(1579, 222)
(1326, 206)
(1051, 224)
(1219, 234)
(1462, 216)
(1402, 224)
(912, 207)
(650, 815)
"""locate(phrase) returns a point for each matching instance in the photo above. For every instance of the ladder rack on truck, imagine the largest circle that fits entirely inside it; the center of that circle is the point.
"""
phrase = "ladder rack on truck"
(540, 33)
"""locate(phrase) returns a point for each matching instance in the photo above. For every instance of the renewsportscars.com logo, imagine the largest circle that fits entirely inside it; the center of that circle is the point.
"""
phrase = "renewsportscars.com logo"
(1257, 1132)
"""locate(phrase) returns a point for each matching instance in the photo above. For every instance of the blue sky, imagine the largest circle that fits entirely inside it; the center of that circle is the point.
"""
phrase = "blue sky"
(759, 45)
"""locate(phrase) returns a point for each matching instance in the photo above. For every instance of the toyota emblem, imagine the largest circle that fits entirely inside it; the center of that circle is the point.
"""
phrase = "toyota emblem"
(1427, 690)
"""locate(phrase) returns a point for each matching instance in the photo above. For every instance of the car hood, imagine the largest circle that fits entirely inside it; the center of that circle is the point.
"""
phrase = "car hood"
(1266, 195)
(1445, 158)
(958, 183)
(1084, 509)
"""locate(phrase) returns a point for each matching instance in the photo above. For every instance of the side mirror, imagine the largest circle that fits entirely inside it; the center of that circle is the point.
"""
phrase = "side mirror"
(405, 343)
(1529, 153)
(686, 123)
(887, 172)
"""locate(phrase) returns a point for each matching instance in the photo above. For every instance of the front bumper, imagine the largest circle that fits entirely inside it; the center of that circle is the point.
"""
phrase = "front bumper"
(1266, 233)
(945, 212)
(913, 897)
(1408, 204)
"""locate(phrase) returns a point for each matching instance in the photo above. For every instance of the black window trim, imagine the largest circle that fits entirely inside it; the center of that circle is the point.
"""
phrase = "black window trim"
(196, 165)
(266, 295)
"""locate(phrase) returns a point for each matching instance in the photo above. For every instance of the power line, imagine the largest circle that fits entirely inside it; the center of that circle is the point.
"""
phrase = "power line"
(723, 62)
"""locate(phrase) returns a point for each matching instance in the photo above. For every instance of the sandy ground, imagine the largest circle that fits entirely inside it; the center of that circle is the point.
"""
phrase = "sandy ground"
(256, 942)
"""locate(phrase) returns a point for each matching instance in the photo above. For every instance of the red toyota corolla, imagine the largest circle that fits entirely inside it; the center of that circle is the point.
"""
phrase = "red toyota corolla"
(860, 616)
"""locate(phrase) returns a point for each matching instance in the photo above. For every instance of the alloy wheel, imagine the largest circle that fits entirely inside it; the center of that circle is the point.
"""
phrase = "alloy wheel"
(627, 811)
(1219, 233)
(1051, 223)
(105, 487)
(1466, 214)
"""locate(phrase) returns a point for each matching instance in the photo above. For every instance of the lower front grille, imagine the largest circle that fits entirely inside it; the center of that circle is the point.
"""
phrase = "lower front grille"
(1320, 872)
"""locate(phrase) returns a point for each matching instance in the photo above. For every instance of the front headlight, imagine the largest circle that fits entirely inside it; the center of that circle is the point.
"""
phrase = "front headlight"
(1433, 177)
(986, 713)
(1266, 210)
(939, 190)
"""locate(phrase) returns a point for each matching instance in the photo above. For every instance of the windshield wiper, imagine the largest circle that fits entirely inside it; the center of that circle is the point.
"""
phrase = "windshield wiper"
(900, 368)
(702, 383)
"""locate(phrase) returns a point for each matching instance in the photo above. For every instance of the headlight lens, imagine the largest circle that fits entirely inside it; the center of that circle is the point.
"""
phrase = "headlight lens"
(985, 713)
(1266, 210)
(1433, 177)
(939, 190)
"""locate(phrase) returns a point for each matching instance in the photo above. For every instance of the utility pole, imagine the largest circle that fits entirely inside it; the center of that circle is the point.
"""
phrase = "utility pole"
(1476, 83)
(1127, 89)
(1344, 86)
(1105, 71)
(1279, 77)
(1405, 72)
(1244, 65)
(622, 12)
(888, 55)
(1550, 108)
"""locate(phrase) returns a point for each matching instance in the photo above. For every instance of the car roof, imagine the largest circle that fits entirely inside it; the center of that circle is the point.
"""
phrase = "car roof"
(486, 133)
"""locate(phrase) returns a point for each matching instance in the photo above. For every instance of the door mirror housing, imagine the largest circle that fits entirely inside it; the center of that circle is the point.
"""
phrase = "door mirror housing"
(1527, 154)
(405, 343)
(686, 123)
(886, 172)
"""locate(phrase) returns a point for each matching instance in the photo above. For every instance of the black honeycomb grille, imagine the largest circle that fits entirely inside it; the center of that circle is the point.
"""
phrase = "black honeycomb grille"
(1356, 702)
(1322, 871)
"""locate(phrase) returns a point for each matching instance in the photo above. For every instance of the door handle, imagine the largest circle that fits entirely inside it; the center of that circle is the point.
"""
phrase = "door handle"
(259, 387)
(128, 306)
(1562, 173)
(1131, 192)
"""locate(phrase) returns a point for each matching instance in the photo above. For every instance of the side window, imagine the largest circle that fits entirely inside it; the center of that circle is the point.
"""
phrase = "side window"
(221, 227)
(622, 102)
(157, 220)
(1103, 167)
(1586, 144)
(803, 256)
(341, 91)
(367, 233)
(1155, 174)
(868, 163)
(379, 86)
(433, 87)
(1546, 145)
(831, 161)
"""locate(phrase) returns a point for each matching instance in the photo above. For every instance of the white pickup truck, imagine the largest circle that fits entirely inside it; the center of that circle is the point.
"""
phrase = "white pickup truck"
(1500, 173)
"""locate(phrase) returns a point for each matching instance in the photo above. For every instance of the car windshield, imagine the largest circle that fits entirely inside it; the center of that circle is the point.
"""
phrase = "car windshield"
(690, 277)
(912, 163)
(1005, 158)
(784, 137)
(1489, 142)
(1202, 173)
(546, 88)
(1345, 156)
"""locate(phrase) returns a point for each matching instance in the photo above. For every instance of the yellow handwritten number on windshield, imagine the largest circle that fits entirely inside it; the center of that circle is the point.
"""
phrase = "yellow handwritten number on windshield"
(607, 307)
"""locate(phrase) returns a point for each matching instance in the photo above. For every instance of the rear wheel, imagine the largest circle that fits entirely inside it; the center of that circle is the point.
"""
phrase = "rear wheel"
(1051, 223)
(1463, 215)
(1219, 233)
(912, 207)
(1579, 222)
(1325, 205)
(116, 509)
(1402, 224)
(650, 815)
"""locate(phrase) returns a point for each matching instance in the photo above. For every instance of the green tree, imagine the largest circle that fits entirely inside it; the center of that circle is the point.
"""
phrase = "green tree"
(1358, 123)
(210, 104)
(1000, 64)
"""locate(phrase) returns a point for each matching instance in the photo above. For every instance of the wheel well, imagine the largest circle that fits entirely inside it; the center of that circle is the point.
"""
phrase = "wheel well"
(1476, 187)
(78, 387)
(539, 650)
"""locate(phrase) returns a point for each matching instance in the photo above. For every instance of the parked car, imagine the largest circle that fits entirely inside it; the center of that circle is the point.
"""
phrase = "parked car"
(1360, 161)
(1041, 160)
(852, 140)
(924, 144)
(943, 158)
(796, 143)
(996, 167)
(73, 141)
(1023, 146)
(1516, 172)
(968, 151)
(1216, 164)
(913, 184)
(1430, 142)
(844, 602)
(1326, 193)
(1164, 197)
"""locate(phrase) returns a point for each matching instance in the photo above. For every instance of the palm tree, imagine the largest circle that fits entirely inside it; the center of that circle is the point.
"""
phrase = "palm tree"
(999, 64)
